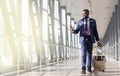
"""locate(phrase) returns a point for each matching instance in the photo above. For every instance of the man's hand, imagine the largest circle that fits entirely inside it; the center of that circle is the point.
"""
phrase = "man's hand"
(71, 29)
(99, 44)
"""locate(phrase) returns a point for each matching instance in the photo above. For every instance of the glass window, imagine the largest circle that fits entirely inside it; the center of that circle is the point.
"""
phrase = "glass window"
(36, 20)
(2, 26)
(56, 10)
(5, 52)
(38, 1)
(15, 3)
(63, 17)
(8, 6)
(56, 30)
(50, 29)
(49, 20)
(68, 21)
(11, 21)
(72, 24)
(34, 7)
(45, 4)
(45, 25)
(25, 46)
(25, 18)
(64, 26)
(64, 34)
(30, 26)
(34, 55)
(57, 24)
(76, 38)
(69, 38)
(68, 24)
(47, 52)
(38, 32)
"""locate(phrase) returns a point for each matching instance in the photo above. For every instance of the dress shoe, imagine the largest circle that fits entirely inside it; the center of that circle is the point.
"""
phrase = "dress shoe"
(90, 71)
(83, 72)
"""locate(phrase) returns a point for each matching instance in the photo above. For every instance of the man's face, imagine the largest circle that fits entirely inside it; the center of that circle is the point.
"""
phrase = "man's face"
(85, 14)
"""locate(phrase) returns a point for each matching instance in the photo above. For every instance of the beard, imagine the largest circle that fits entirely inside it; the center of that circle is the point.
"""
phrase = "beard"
(85, 17)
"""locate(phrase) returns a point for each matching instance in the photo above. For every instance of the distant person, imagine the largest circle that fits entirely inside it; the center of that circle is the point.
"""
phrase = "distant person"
(88, 34)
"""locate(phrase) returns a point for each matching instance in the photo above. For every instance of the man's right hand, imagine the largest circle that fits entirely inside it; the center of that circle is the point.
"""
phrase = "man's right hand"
(71, 29)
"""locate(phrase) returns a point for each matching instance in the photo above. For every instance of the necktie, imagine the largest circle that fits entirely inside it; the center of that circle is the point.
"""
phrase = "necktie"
(86, 27)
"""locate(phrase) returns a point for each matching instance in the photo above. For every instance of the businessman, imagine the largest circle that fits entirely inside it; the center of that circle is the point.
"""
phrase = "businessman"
(88, 35)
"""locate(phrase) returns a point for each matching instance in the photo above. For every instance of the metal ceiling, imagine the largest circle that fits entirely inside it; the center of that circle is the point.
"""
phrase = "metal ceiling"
(101, 10)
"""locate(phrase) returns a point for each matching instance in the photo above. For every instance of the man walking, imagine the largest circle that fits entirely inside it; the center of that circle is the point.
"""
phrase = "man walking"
(88, 35)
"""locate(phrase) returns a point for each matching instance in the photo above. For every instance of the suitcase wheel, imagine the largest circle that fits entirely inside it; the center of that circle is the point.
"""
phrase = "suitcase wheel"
(103, 70)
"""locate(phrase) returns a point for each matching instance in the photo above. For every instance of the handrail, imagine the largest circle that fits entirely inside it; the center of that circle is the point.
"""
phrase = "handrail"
(73, 51)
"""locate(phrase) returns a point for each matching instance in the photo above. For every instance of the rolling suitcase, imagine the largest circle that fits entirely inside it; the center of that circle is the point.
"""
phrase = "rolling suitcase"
(99, 63)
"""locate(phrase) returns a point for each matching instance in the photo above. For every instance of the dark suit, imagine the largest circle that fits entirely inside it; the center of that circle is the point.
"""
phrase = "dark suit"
(87, 41)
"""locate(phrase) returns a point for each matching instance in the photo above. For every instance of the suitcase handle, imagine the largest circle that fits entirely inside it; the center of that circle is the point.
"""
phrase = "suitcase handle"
(99, 58)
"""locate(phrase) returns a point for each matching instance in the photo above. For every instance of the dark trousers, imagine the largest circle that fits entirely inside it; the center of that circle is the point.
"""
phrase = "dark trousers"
(86, 47)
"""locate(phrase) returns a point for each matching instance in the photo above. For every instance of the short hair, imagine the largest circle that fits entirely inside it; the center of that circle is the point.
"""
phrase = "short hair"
(86, 10)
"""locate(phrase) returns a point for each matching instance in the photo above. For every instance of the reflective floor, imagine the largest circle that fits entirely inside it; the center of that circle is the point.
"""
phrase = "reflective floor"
(73, 68)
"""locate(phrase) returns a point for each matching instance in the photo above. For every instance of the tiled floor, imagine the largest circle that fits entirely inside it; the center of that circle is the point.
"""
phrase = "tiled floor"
(73, 68)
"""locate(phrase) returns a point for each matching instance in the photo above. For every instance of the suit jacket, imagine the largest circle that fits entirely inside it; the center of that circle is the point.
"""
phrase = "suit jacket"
(93, 30)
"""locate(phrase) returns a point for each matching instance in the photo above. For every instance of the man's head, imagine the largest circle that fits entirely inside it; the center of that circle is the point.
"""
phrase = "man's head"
(85, 13)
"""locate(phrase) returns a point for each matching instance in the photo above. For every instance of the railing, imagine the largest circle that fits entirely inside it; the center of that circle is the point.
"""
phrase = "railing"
(68, 54)
(112, 51)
